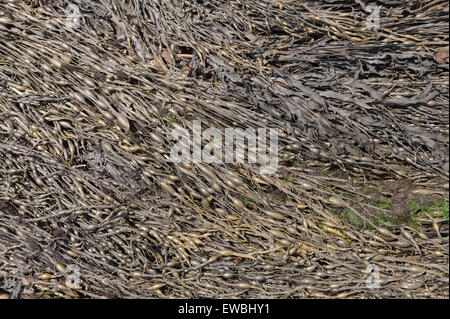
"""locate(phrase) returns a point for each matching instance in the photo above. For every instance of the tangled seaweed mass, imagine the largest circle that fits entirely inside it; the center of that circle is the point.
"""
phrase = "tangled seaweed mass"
(90, 91)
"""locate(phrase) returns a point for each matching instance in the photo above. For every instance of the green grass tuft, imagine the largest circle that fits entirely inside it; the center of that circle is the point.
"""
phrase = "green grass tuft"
(351, 218)
(172, 118)
(247, 202)
(429, 208)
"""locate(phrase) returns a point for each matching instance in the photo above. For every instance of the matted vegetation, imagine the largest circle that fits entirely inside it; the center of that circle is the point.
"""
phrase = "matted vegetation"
(86, 113)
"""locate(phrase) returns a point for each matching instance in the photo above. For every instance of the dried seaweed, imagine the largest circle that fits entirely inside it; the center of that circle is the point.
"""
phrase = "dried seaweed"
(86, 113)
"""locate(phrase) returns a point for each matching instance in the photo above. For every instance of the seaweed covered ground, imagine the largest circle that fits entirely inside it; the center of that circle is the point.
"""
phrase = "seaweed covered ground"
(92, 206)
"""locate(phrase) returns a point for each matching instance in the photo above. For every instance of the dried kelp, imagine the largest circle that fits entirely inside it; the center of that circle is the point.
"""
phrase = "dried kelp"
(87, 104)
